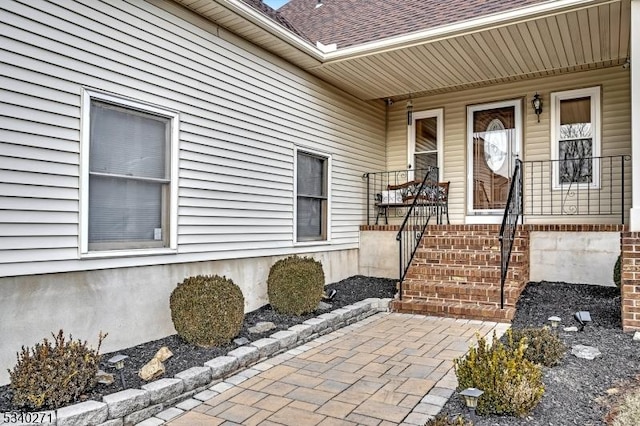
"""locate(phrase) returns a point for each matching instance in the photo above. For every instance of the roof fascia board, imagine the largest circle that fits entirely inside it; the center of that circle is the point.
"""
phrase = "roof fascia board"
(254, 16)
(460, 28)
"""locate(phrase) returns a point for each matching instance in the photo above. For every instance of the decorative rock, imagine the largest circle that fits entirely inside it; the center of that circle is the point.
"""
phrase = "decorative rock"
(574, 328)
(104, 378)
(245, 355)
(241, 341)
(302, 330)
(194, 377)
(266, 346)
(636, 336)
(287, 338)
(163, 354)
(126, 402)
(163, 389)
(138, 416)
(585, 352)
(323, 306)
(88, 413)
(222, 365)
(262, 327)
(151, 370)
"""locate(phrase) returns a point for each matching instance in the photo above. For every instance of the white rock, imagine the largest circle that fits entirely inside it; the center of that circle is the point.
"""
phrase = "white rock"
(636, 336)
(585, 352)
(262, 327)
(574, 328)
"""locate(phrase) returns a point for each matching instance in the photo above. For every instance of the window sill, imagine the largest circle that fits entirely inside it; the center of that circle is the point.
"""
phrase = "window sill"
(312, 243)
(127, 253)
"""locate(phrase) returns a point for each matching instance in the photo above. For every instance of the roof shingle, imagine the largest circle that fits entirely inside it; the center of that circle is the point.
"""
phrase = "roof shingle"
(353, 22)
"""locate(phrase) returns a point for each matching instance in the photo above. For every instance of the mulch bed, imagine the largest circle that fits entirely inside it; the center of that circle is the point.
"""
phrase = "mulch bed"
(578, 391)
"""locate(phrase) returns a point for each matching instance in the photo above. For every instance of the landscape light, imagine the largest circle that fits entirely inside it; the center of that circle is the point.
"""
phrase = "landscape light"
(118, 362)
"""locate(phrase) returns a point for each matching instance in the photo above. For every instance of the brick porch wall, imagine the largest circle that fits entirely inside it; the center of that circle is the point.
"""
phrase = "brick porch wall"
(630, 280)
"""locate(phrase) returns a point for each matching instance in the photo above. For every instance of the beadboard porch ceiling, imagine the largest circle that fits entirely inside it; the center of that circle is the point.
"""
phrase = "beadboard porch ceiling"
(547, 39)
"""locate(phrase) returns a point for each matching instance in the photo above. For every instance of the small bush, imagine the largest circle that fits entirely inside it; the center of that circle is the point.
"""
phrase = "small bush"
(543, 346)
(511, 383)
(629, 411)
(207, 310)
(442, 420)
(295, 285)
(616, 272)
(49, 376)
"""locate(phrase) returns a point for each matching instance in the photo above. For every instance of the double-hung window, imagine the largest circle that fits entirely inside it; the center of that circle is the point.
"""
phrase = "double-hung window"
(313, 171)
(129, 179)
(575, 137)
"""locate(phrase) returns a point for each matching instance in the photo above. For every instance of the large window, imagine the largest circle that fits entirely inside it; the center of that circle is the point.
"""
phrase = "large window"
(312, 196)
(128, 196)
(575, 137)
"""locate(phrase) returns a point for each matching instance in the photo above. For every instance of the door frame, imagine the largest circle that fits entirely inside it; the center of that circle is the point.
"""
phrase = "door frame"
(438, 114)
(489, 215)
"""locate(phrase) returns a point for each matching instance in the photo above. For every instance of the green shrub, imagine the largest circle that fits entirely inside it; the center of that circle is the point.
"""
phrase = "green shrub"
(207, 310)
(295, 285)
(543, 346)
(49, 376)
(616, 272)
(511, 383)
(442, 420)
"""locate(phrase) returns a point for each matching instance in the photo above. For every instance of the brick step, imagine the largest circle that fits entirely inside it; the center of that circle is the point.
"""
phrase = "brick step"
(462, 273)
(474, 262)
(454, 310)
(454, 292)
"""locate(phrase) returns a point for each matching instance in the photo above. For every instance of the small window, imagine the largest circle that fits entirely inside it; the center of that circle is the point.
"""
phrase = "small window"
(575, 137)
(127, 152)
(312, 196)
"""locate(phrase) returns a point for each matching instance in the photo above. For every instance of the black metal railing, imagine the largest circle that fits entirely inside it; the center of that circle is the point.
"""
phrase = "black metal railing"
(378, 182)
(414, 224)
(512, 213)
(575, 186)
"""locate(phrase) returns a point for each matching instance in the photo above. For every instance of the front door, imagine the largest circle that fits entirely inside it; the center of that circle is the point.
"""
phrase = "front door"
(494, 133)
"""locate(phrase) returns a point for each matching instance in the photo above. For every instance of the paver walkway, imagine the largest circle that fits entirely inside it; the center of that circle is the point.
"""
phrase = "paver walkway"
(388, 369)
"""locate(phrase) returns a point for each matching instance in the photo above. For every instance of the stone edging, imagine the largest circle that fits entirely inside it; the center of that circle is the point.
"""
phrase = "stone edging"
(169, 397)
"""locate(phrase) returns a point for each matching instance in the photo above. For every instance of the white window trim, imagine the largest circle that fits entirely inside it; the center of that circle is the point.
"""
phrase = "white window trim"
(484, 215)
(295, 196)
(556, 97)
(174, 117)
(438, 114)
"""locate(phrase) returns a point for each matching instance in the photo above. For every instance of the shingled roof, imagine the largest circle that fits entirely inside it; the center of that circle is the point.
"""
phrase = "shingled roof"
(275, 16)
(352, 22)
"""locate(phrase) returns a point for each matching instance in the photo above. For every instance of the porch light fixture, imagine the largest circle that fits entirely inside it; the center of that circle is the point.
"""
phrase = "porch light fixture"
(583, 317)
(118, 362)
(554, 321)
(536, 103)
(409, 112)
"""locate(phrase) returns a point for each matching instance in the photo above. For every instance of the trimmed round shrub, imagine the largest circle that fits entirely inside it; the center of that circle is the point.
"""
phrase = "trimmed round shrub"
(207, 310)
(511, 383)
(616, 272)
(295, 285)
(543, 346)
(49, 376)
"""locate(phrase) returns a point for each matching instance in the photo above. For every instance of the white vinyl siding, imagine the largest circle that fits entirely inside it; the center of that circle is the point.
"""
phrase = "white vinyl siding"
(241, 113)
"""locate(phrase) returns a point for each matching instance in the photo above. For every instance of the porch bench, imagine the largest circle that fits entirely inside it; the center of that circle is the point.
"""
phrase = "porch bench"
(402, 196)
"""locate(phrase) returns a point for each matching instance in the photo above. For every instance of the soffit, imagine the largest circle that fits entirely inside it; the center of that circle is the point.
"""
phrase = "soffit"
(593, 35)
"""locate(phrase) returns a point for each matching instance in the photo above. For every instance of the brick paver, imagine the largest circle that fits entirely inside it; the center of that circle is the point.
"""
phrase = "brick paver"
(387, 369)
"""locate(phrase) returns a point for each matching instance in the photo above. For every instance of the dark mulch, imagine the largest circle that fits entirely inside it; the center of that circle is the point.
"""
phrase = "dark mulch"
(576, 390)
(349, 291)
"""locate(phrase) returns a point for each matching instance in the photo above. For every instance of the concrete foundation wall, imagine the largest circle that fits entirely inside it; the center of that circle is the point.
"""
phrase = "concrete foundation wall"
(131, 304)
(574, 257)
(378, 254)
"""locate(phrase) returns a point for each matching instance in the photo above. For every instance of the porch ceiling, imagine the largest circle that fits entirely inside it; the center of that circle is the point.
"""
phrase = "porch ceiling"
(579, 36)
